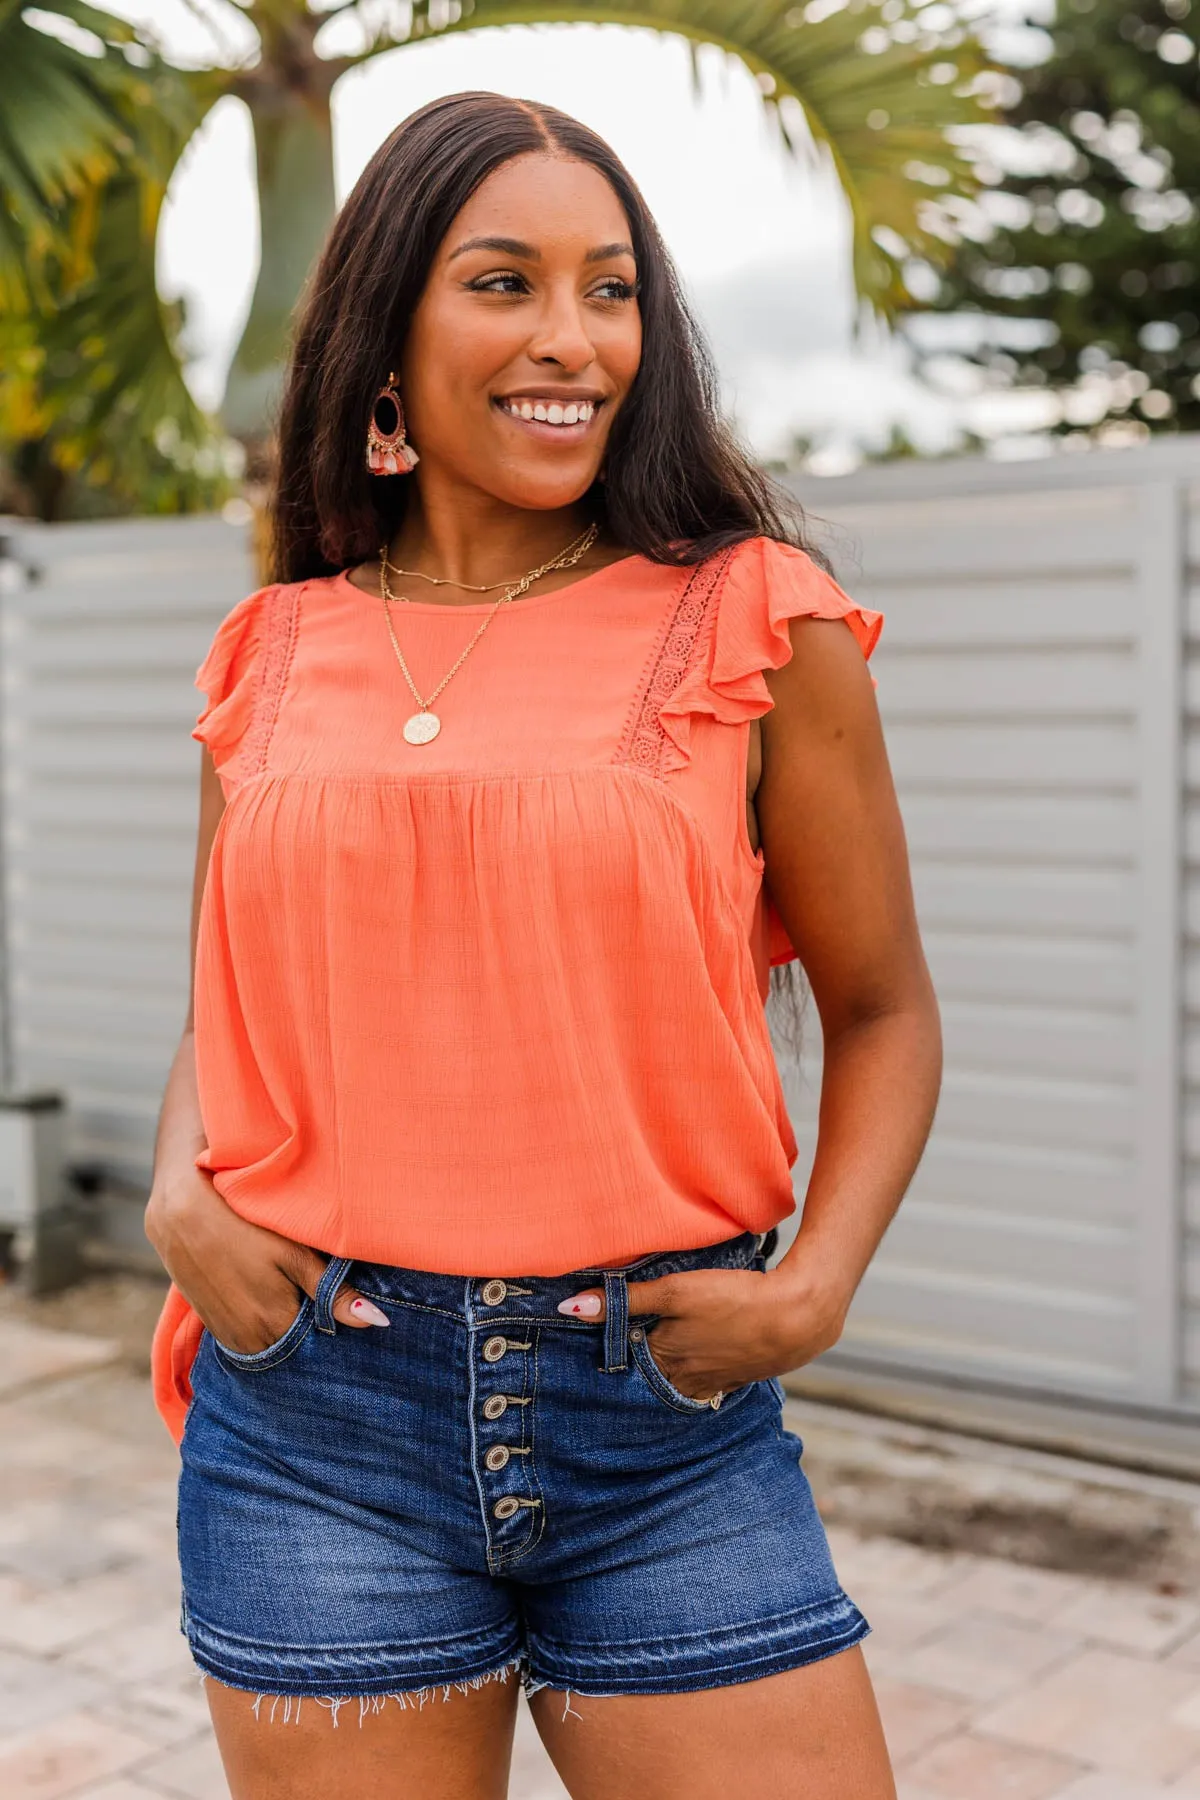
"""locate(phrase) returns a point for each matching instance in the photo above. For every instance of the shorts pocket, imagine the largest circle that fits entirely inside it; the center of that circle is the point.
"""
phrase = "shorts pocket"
(666, 1391)
(254, 1361)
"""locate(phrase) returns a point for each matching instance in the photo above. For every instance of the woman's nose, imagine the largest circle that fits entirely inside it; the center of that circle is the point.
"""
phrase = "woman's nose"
(562, 336)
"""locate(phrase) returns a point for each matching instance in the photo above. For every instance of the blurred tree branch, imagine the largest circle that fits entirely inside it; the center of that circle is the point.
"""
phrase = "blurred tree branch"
(1088, 223)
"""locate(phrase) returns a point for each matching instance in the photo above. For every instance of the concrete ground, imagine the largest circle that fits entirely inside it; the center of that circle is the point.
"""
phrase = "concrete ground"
(1014, 1656)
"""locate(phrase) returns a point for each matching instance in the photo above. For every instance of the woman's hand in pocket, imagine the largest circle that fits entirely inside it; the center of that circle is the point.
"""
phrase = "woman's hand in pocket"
(721, 1328)
(246, 1283)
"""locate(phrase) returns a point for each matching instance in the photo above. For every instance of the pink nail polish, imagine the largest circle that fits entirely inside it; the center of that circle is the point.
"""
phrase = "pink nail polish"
(370, 1315)
(584, 1306)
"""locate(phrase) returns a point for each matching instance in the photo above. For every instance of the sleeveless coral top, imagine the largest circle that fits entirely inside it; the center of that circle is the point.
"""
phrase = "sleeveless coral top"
(494, 1004)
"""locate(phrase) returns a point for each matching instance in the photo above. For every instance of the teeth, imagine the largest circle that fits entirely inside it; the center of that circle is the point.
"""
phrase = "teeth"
(552, 412)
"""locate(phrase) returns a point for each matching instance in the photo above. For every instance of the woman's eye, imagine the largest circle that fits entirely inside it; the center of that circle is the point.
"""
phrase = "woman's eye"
(615, 289)
(504, 283)
(507, 281)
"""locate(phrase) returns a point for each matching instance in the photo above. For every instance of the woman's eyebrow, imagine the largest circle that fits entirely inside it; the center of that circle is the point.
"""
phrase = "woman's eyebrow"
(517, 247)
(506, 247)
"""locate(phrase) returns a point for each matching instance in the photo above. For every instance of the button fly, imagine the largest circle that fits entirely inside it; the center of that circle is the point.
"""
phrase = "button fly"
(494, 1349)
(494, 1292)
(504, 1509)
(494, 1405)
(497, 1456)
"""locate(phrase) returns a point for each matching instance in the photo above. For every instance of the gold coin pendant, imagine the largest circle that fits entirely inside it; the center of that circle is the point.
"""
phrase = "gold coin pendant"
(422, 728)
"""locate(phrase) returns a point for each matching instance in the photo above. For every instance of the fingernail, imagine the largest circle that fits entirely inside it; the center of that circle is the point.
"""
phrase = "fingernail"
(370, 1315)
(585, 1306)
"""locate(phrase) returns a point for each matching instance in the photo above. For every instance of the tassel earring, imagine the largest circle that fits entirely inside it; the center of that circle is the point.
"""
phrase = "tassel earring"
(388, 450)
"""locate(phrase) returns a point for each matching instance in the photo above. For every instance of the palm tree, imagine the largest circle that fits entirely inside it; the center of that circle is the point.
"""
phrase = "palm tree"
(866, 84)
(90, 131)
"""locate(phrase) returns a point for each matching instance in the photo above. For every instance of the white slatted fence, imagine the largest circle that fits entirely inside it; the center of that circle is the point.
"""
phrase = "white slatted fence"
(1040, 683)
(1030, 679)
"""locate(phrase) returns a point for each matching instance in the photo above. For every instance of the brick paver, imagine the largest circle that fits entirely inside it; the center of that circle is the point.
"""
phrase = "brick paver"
(987, 1769)
(996, 1681)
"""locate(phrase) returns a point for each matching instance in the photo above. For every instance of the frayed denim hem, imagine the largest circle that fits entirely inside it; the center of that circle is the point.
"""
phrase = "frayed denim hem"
(739, 1663)
(284, 1709)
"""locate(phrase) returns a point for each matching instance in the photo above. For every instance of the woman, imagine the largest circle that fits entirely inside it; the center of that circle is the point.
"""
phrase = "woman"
(471, 1156)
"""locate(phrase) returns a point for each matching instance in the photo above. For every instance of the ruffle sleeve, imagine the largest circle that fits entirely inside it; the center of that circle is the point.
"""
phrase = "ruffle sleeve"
(766, 585)
(229, 679)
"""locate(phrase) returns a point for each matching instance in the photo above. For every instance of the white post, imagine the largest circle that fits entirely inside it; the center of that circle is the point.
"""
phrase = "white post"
(1158, 949)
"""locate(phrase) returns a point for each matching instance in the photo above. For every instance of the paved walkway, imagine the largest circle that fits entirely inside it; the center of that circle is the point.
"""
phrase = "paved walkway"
(997, 1681)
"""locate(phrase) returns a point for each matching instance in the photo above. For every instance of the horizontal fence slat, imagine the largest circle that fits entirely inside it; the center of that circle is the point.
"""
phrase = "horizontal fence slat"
(1095, 901)
(1018, 755)
(1050, 828)
(1038, 1039)
(1043, 684)
(969, 966)
(978, 612)
(1071, 1256)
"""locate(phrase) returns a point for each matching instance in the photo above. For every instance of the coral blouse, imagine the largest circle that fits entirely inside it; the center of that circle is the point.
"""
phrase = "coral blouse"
(494, 1004)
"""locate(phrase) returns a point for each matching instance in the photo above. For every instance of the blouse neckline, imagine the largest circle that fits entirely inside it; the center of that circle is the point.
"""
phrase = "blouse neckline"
(483, 606)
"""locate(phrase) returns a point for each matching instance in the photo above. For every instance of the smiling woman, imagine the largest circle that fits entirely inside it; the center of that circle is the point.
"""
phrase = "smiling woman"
(430, 252)
(484, 410)
(477, 1070)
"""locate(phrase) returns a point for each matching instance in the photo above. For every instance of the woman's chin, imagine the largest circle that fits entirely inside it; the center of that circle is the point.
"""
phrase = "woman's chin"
(542, 489)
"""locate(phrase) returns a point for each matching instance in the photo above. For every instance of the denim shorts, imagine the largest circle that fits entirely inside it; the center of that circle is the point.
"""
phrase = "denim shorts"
(492, 1487)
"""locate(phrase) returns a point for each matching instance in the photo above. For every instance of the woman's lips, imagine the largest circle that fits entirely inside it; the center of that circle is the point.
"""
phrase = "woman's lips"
(553, 420)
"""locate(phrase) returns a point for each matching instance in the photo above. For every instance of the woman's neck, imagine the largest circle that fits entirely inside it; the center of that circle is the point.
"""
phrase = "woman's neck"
(469, 545)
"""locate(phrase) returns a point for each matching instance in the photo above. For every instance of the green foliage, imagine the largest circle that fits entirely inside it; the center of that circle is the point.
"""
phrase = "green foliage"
(94, 411)
(1102, 241)
(63, 130)
(90, 385)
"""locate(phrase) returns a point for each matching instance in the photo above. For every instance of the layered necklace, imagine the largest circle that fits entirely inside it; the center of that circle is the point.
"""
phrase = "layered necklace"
(424, 724)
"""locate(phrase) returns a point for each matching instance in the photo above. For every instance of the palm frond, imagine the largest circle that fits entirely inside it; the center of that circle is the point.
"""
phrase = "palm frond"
(881, 99)
(89, 366)
(64, 125)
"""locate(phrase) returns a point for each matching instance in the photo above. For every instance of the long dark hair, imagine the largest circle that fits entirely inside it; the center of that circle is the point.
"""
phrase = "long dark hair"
(677, 484)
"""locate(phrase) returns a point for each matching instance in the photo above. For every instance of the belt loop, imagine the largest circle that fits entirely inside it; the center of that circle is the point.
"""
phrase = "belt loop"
(336, 1270)
(767, 1248)
(616, 1321)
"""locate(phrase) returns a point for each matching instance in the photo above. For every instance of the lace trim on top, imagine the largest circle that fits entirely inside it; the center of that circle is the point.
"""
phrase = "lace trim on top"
(644, 740)
(281, 609)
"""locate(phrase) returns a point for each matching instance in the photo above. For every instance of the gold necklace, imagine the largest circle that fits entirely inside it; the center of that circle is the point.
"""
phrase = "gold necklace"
(481, 587)
(468, 587)
(425, 724)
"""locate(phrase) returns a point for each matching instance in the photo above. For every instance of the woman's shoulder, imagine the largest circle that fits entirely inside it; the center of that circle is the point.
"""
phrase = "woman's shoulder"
(249, 644)
(756, 588)
(769, 583)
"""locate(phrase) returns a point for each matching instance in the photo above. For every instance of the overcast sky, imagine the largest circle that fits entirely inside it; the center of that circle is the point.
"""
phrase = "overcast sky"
(762, 242)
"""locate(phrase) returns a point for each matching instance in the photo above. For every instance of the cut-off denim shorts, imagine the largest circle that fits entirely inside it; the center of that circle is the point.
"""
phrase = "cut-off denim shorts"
(491, 1487)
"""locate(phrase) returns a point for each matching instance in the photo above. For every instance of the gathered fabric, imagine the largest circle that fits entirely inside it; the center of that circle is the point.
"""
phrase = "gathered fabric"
(494, 1003)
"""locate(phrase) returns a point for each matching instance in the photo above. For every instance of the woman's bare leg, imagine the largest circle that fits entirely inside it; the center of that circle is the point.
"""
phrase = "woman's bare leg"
(458, 1748)
(811, 1734)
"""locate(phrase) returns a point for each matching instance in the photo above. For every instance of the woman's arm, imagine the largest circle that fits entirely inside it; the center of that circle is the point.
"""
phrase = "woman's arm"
(244, 1282)
(180, 1136)
(837, 867)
